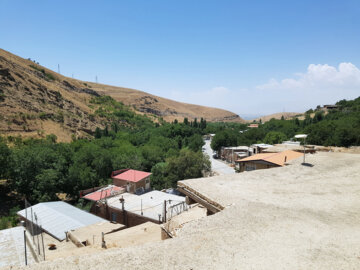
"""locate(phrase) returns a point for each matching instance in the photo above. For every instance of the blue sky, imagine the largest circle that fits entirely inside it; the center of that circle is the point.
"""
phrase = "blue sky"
(250, 57)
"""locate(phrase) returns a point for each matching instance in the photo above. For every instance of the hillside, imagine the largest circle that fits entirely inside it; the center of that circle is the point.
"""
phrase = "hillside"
(287, 115)
(35, 101)
(168, 109)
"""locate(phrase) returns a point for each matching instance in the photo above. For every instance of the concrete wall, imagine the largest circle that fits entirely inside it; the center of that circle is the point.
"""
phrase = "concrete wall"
(133, 186)
(128, 219)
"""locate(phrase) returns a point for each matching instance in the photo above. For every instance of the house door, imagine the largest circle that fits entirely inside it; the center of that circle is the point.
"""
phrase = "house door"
(147, 184)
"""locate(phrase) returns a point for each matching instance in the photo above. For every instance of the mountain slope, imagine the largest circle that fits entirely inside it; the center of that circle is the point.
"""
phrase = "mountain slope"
(286, 115)
(166, 108)
(35, 101)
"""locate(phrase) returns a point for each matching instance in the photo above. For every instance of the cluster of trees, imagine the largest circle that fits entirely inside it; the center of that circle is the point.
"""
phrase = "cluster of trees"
(40, 169)
(338, 127)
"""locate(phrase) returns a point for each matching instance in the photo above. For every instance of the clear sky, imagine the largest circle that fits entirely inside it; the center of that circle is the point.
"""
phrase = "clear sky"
(250, 57)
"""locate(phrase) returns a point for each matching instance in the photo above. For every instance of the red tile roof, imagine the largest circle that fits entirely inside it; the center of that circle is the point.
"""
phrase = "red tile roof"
(104, 193)
(132, 175)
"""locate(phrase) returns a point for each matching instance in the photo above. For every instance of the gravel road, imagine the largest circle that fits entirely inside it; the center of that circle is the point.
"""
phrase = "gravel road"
(217, 166)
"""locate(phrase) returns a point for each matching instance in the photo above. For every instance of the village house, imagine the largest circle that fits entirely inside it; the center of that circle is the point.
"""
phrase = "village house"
(260, 147)
(54, 230)
(266, 160)
(131, 209)
(253, 125)
(132, 180)
(330, 107)
(230, 154)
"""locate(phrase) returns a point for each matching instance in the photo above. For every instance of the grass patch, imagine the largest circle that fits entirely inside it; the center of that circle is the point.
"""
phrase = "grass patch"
(48, 76)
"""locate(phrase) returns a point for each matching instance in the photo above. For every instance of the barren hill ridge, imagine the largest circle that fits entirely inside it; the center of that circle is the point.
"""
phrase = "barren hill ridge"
(286, 115)
(166, 108)
(35, 101)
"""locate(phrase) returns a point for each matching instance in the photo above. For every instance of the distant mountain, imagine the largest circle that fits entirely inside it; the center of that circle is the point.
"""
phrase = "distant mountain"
(286, 115)
(35, 101)
(168, 109)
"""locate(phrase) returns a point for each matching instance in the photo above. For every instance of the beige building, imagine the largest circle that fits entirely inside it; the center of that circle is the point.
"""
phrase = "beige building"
(266, 160)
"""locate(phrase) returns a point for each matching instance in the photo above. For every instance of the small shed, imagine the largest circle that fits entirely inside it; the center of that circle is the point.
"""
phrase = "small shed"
(56, 218)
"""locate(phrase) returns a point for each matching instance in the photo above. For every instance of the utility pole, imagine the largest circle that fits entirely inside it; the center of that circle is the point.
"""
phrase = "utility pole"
(302, 136)
(37, 233)
(164, 217)
(141, 209)
(24, 225)
(122, 201)
(96, 79)
(42, 240)
(59, 68)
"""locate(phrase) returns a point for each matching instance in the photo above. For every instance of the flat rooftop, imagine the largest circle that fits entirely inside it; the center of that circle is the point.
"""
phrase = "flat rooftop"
(150, 203)
(293, 217)
(12, 250)
(144, 233)
(92, 233)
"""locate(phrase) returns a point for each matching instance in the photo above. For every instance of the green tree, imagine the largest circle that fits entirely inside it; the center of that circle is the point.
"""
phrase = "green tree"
(274, 137)
(159, 178)
(4, 159)
(224, 138)
(186, 121)
(195, 142)
(187, 165)
(98, 133)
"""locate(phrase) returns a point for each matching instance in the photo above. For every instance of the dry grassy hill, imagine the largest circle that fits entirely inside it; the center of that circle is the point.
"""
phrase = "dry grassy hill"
(287, 115)
(35, 101)
(166, 108)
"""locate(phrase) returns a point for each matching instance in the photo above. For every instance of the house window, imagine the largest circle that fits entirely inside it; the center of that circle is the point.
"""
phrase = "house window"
(147, 181)
(250, 167)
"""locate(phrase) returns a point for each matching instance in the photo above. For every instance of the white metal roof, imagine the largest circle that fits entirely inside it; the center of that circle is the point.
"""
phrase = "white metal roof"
(56, 218)
(246, 148)
(152, 203)
(262, 145)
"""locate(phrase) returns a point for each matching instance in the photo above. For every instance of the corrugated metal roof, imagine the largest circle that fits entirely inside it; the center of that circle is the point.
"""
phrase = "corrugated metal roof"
(103, 193)
(58, 217)
(151, 203)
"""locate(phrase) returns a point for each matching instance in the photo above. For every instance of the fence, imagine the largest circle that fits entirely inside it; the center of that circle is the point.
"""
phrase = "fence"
(176, 209)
